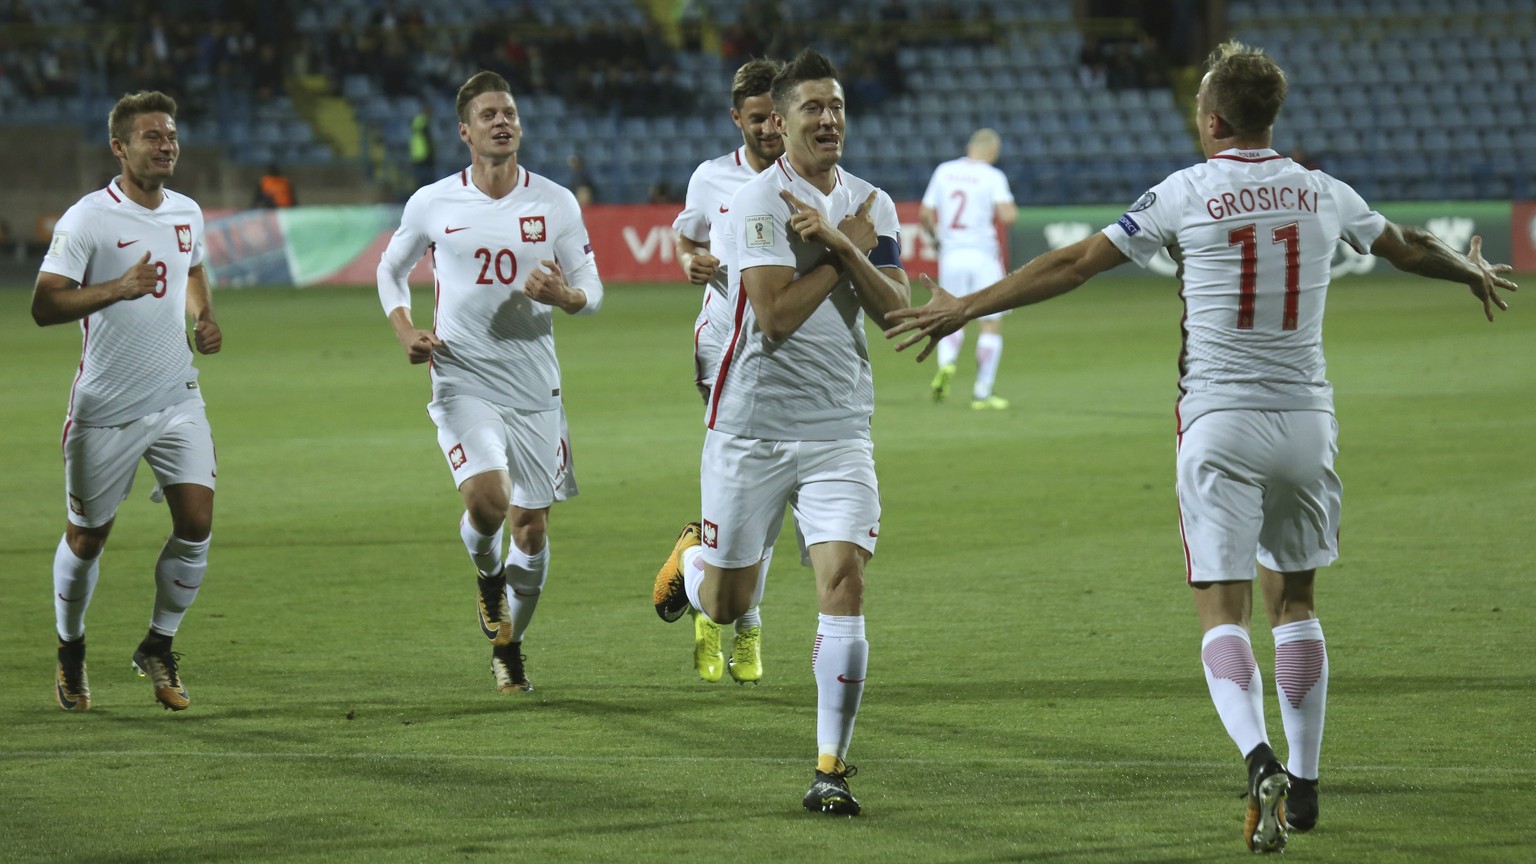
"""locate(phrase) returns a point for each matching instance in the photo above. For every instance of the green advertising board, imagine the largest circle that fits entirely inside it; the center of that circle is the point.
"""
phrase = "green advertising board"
(1041, 229)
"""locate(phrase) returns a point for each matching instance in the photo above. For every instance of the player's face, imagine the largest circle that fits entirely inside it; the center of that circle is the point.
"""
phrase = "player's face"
(815, 123)
(758, 131)
(494, 130)
(149, 155)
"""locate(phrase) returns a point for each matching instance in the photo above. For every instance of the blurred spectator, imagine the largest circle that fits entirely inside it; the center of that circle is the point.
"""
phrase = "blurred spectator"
(423, 148)
(661, 193)
(274, 189)
(1092, 71)
(1124, 69)
(580, 181)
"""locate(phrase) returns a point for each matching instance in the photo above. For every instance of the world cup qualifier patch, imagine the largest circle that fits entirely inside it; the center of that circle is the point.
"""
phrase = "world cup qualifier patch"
(759, 232)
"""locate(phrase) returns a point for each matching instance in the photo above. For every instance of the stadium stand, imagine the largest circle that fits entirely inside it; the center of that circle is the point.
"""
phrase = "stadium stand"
(1405, 99)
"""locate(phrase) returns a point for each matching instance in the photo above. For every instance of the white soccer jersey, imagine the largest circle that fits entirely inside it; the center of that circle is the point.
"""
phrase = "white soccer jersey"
(1254, 234)
(498, 344)
(704, 208)
(964, 194)
(815, 384)
(134, 354)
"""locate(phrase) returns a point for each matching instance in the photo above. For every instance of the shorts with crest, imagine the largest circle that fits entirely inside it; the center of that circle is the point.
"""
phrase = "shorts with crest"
(477, 437)
(100, 461)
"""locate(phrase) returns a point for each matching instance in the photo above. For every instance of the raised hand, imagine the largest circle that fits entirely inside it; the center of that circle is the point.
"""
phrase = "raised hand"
(942, 315)
(139, 279)
(806, 221)
(1484, 289)
(859, 226)
(547, 285)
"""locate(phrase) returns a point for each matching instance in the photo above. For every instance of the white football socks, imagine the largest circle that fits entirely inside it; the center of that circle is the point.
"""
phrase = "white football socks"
(178, 575)
(949, 348)
(989, 352)
(753, 617)
(74, 580)
(484, 549)
(840, 660)
(1301, 681)
(1235, 684)
(526, 575)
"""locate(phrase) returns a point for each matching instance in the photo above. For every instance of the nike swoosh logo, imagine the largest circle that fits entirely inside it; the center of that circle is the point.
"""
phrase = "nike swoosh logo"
(850, 681)
(451, 230)
(873, 533)
(68, 703)
(725, 209)
(185, 585)
(70, 599)
(121, 244)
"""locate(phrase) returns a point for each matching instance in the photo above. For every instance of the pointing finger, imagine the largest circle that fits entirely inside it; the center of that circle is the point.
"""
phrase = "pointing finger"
(800, 206)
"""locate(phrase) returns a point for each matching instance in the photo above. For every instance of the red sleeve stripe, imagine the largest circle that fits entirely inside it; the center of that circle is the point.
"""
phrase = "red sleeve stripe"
(730, 353)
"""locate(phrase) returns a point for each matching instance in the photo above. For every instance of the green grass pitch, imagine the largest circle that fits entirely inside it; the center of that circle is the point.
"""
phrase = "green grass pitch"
(1035, 690)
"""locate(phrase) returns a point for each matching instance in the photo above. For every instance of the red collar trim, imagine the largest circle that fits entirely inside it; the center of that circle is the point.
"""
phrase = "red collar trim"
(1248, 158)
(113, 194)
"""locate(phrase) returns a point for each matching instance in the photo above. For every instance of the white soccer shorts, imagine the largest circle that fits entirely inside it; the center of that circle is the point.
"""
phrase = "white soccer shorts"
(1258, 485)
(745, 483)
(706, 345)
(477, 437)
(966, 271)
(100, 461)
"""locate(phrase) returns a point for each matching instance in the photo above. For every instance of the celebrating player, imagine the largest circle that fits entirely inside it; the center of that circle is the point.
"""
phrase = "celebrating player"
(1254, 234)
(127, 263)
(508, 247)
(704, 212)
(966, 199)
(812, 249)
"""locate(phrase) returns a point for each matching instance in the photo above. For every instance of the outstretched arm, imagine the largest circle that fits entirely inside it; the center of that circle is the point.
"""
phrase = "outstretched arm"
(1414, 250)
(1046, 276)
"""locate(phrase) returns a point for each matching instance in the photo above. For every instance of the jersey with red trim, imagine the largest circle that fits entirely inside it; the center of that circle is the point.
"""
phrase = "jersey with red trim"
(704, 211)
(1254, 234)
(815, 383)
(964, 194)
(498, 344)
(134, 354)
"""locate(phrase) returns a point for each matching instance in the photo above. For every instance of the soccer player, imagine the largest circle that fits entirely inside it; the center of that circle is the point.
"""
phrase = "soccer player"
(126, 262)
(508, 247)
(812, 249)
(704, 210)
(1254, 234)
(966, 199)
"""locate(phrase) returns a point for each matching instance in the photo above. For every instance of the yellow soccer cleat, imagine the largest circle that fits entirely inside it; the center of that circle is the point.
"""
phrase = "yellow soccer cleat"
(69, 682)
(941, 381)
(991, 403)
(707, 657)
(746, 656)
(1264, 826)
(668, 593)
(159, 663)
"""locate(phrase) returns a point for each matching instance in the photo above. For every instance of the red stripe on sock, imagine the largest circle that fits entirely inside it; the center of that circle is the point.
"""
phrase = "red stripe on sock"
(1230, 658)
(1298, 668)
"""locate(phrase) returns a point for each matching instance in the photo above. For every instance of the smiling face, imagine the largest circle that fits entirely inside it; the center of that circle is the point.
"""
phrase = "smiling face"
(814, 124)
(148, 155)
(758, 131)
(491, 127)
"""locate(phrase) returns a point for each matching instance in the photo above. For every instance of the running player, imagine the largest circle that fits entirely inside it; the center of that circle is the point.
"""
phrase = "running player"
(812, 249)
(127, 263)
(508, 247)
(1254, 234)
(704, 212)
(966, 199)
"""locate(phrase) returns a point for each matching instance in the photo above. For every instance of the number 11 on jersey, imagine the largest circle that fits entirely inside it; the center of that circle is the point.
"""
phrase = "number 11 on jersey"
(1248, 238)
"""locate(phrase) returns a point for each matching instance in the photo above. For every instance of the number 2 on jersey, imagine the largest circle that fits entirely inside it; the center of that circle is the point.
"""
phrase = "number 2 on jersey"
(955, 223)
(1248, 238)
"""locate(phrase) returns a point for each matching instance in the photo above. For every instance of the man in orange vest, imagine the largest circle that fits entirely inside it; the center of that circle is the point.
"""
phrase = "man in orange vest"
(274, 189)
